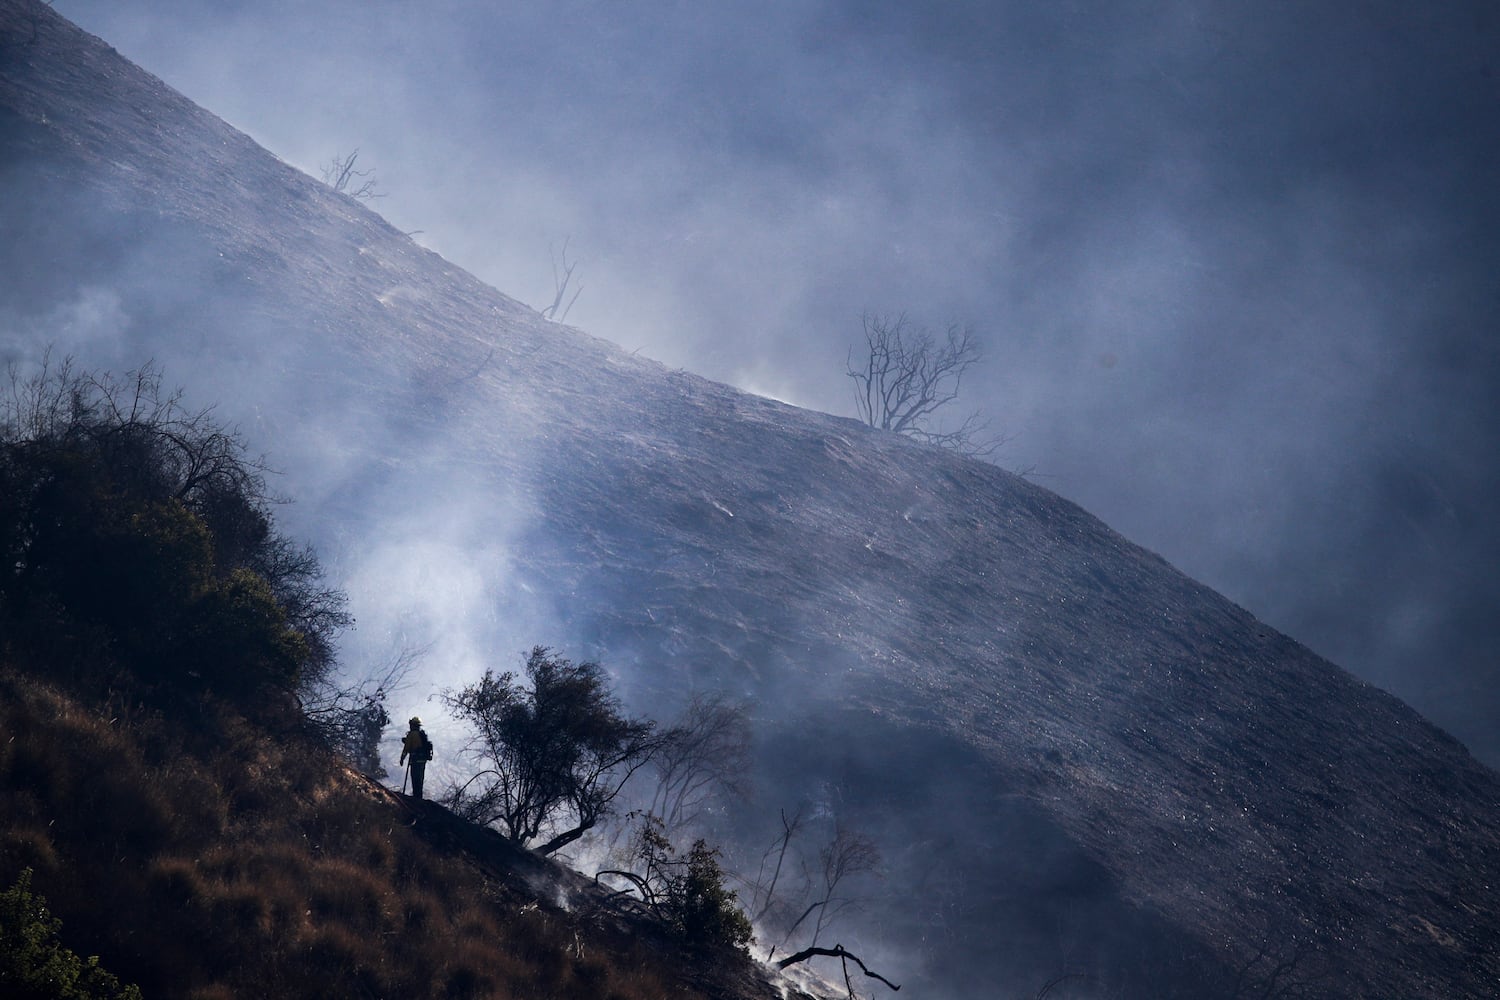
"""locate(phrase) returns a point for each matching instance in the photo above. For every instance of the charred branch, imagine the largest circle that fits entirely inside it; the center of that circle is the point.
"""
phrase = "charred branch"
(837, 951)
(907, 378)
(341, 175)
(562, 276)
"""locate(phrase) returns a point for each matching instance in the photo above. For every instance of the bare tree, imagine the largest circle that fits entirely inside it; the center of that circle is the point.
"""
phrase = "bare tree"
(908, 377)
(705, 756)
(1285, 966)
(351, 717)
(846, 855)
(341, 175)
(810, 903)
(769, 875)
(562, 275)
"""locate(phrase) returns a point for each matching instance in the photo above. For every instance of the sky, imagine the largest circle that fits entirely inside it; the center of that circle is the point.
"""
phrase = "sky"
(1235, 267)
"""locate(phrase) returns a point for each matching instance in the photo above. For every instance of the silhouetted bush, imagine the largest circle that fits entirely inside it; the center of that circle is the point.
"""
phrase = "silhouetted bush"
(701, 909)
(687, 893)
(135, 531)
(558, 745)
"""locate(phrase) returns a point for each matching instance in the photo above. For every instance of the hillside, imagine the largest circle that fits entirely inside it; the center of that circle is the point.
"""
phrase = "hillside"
(221, 856)
(1074, 758)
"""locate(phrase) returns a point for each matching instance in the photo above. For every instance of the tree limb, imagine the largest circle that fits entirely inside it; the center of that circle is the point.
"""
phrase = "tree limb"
(837, 951)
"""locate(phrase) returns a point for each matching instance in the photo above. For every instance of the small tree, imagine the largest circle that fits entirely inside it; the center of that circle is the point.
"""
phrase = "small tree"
(339, 173)
(908, 377)
(702, 910)
(846, 855)
(1286, 964)
(555, 751)
(772, 863)
(796, 894)
(688, 893)
(562, 276)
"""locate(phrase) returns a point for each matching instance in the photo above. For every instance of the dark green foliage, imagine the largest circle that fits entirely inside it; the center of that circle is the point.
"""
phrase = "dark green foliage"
(687, 893)
(33, 963)
(558, 746)
(138, 533)
(701, 909)
(239, 629)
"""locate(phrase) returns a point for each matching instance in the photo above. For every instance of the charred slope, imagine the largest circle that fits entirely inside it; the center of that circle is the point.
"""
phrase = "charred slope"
(1075, 755)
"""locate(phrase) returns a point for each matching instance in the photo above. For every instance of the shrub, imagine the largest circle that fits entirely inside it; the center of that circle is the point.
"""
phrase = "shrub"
(239, 633)
(34, 964)
(687, 893)
(135, 527)
(701, 909)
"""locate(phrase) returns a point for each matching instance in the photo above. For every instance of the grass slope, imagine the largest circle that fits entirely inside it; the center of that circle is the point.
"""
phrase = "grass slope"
(202, 854)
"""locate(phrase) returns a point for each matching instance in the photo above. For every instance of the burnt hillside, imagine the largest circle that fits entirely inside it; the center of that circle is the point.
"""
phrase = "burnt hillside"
(1076, 758)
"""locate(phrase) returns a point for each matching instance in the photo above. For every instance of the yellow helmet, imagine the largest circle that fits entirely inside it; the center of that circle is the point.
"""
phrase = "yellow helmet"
(416, 723)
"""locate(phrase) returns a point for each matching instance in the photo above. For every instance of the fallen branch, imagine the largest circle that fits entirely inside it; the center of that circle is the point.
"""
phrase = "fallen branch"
(646, 895)
(837, 951)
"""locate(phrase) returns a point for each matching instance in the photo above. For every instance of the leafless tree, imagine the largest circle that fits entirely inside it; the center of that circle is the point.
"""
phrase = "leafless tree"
(808, 903)
(705, 756)
(846, 855)
(908, 377)
(769, 876)
(1285, 966)
(351, 716)
(341, 175)
(562, 276)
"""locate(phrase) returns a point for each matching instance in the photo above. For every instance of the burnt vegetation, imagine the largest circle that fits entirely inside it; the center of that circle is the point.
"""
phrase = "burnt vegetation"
(341, 174)
(907, 381)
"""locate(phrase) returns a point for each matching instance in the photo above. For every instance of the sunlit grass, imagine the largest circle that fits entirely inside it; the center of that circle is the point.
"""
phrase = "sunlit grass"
(224, 859)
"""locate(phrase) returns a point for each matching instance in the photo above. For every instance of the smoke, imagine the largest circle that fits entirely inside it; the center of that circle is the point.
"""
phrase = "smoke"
(1232, 271)
(85, 327)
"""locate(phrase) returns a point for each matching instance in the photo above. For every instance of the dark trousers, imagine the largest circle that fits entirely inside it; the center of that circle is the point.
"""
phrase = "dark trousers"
(418, 768)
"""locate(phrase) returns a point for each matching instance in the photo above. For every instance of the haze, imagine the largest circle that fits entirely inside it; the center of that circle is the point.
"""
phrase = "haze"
(1234, 265)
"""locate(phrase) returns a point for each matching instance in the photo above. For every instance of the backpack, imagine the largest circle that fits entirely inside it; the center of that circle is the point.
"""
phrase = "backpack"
(426, 750)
